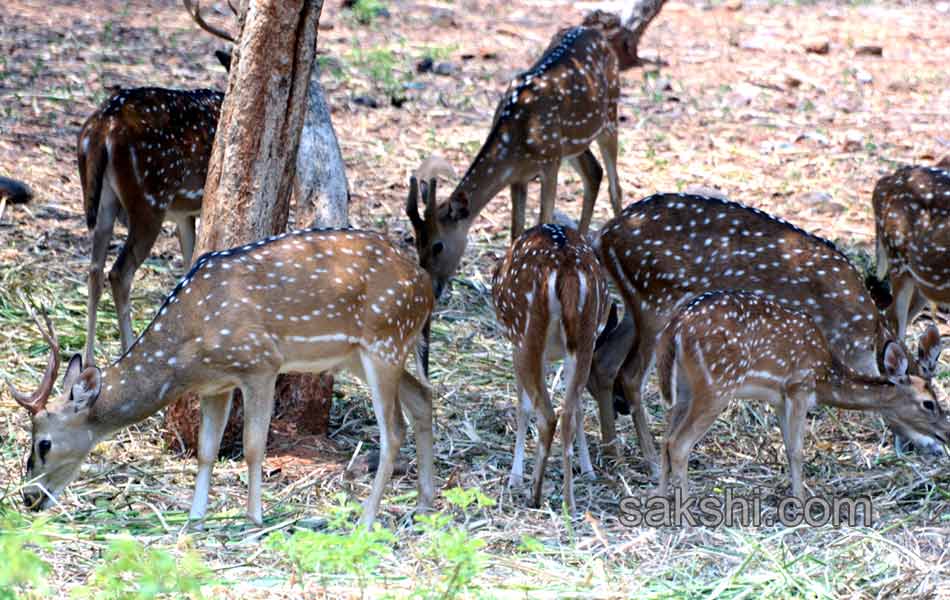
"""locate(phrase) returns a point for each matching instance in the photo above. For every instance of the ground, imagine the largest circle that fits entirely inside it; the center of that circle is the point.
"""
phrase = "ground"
(733, 99)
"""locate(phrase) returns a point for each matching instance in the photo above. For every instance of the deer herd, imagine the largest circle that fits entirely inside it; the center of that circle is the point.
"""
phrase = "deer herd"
(725, 300)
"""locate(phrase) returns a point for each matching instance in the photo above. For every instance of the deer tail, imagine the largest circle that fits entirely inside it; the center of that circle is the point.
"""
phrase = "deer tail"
(93, 158)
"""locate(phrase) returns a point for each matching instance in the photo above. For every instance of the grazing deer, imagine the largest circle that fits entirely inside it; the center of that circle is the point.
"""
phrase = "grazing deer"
(143, 157)
(311, 300)
(551, 298)
(911, 216)
(552, 112)
(668, 248)
(728, 344)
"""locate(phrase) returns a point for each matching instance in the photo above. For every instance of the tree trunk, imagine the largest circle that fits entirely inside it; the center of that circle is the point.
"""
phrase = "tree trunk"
(251, 174)
(624, 30)
(320, 186)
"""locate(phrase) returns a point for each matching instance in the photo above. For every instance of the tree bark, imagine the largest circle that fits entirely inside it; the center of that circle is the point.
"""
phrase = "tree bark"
(251, 174)
(625, 29)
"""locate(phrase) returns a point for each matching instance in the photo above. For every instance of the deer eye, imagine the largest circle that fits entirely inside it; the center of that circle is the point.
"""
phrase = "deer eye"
(44, 448)
(437, 248)
(929, 405)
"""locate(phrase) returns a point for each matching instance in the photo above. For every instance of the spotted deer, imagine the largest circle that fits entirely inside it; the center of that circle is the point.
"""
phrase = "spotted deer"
(728, 344)
(311, 301)
(551, 298)
(143, 157)
(554, 111)
(912, 222)
(668, 248)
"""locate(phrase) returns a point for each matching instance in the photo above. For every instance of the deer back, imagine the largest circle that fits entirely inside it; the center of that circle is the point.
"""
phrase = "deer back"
(731, 338)
(912, 223)
(153, 145)
(550, 276)
(554, 109)
(668, 248)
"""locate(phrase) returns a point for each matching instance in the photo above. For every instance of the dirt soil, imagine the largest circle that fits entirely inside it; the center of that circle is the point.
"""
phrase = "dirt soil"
(795, 108)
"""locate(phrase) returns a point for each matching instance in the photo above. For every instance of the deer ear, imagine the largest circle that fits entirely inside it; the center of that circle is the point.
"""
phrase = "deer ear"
(895, 361)
(929, 347)
(458, 206)
(224, 58)
(72, 371)
(85, 391)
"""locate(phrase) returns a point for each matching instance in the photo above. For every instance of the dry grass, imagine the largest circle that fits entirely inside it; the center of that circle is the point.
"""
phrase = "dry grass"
(725, 111)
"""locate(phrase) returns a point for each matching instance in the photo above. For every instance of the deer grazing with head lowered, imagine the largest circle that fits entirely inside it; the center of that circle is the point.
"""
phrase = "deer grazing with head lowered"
(551, 298)
(729, 344)
(912, 222)
(552, 112)
(668, 248)
(310, 300)
(143, 157)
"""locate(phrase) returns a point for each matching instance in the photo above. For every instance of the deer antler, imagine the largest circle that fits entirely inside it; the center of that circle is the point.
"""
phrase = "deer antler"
(412, 203)
(428, 196)
(195, 12)
(36, 401)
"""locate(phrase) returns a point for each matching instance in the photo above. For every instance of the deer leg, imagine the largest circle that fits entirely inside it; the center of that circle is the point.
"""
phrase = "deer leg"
(792, 422)
(186, 238)
(901, 306)
(607, 142)
(524, 408)
(214, 418)
(136, 249)
(519, 202)
(633, 377)
(576, 371)
(580, 435)
(703, 408)
(101, 235)
(608, 359)
(529, 371)
(383, 383)
(588, 168)
(258, 408)
(418, 401)
(576, 368)
(548, 191)
(547, 421)
(679, 405)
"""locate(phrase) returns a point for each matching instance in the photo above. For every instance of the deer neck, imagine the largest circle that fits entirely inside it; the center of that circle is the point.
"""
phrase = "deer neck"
(495, 167)
(139, 384)
(848, 389)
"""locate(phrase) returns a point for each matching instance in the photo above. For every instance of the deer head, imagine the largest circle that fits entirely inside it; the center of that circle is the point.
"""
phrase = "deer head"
(62, 432)
(915, 413)
(440, 236)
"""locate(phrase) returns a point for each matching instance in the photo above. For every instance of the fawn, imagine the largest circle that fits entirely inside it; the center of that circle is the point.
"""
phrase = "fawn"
(551, 298)
(728, 344)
